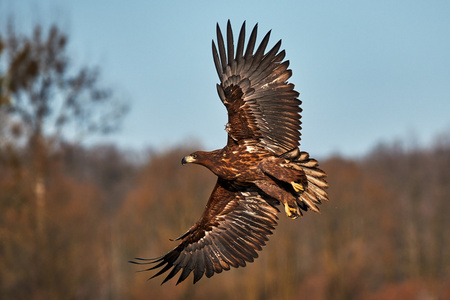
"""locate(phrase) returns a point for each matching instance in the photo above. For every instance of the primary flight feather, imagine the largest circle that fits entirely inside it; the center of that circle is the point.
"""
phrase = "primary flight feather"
(260, 167)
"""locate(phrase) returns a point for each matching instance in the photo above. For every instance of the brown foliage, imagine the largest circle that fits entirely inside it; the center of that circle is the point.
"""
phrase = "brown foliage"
(71, 217)
(47, 208)
(383, 235)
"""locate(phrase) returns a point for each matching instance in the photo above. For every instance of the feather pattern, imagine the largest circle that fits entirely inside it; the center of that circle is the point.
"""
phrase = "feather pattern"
(260, 167)
(228, 236)
(263, 108)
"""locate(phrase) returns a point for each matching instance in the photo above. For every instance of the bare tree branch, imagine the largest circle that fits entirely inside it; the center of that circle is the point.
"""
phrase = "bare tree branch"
(51, 97)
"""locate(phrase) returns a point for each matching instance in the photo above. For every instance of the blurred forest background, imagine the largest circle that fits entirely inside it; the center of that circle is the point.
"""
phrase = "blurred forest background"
(71, 215)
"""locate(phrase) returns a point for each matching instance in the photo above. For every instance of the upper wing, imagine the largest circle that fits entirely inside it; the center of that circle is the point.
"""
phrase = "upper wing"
(234, 225)
(263, 107)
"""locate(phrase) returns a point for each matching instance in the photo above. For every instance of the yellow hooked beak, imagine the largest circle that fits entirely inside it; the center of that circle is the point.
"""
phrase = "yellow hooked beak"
(187, 159)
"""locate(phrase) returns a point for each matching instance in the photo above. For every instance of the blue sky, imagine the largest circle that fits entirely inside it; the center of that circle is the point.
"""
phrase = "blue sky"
(367, 71)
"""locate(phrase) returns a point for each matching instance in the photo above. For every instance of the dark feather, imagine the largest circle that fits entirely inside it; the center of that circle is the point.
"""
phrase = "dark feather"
(240, 45)
(260, 167)
(214, 250)
(220, 44)
(217, 63)
(265, 90)
(230, 43)
(251, 43)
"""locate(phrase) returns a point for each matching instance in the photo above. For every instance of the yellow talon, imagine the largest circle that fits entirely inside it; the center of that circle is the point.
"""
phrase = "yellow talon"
(291, 212)
(297, 187)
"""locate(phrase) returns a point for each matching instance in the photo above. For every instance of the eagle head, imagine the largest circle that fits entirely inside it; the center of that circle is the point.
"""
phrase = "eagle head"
(191, 158)
(209, 159)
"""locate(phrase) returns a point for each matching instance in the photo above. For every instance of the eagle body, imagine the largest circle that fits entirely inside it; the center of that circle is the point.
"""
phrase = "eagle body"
(260, 167)
(223, 163)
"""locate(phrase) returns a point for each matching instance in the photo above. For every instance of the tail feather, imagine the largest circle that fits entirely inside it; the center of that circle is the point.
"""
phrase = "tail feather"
(315, 191)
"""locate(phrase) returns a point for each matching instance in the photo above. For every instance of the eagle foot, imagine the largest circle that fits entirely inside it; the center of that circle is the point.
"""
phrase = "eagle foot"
(297, 187)
(291, 212)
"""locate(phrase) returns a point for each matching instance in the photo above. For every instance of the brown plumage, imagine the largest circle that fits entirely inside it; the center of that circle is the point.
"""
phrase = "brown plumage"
(260, 167)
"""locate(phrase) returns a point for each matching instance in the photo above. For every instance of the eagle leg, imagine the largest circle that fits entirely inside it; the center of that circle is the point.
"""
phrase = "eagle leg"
(286, 171)
(297, 186)
(291, 212)
(288, 200)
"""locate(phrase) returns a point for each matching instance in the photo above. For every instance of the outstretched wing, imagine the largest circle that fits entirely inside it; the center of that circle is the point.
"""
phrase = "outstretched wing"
(234, 225)
(263, 108)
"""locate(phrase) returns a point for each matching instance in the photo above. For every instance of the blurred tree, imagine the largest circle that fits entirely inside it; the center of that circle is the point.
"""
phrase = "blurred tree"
(3, 97)
(384, 234)
(360, 247)
(46, 99)
(42, 89)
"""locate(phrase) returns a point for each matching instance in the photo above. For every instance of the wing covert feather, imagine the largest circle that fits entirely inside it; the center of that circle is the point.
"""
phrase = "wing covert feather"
(233, 227)
(263, 108)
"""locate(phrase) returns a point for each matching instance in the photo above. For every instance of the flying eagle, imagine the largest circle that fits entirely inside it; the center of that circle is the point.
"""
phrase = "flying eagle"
(260, 167)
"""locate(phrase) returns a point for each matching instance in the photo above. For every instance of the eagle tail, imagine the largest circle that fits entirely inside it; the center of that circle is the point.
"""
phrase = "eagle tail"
(315, 191)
